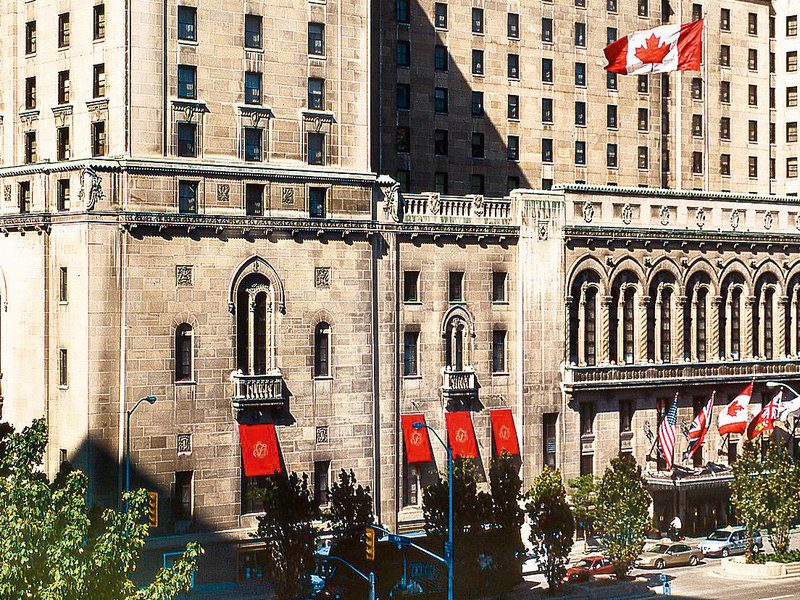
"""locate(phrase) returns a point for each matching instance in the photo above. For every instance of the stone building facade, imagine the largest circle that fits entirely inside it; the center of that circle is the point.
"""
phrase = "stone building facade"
(195, 207)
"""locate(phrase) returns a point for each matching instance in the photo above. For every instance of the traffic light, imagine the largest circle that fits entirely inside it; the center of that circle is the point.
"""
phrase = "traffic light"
(152, 509)
(370, 543)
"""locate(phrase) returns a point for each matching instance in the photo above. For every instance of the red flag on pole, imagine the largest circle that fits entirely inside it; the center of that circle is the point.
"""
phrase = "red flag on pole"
(733, 418)
(764, 421)
(418, 446)
(460, 434)
(659, 50)
(260, 453)
(505, 433)
(699, 428)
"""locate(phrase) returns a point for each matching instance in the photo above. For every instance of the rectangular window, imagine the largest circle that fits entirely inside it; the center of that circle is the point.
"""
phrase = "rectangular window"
(187, 77)
(580, 153)
(611, 156)
(725, 128)
(24, 199)
(697, 11)
(30, 37)
(254, 199)
(410, 483)
(549, 422)
(752, 164)
(791, 131)
(476, 184)
(580, 74)
(252, 88)
(477, 104)
(580, 35)
(773, 168)
(513, 25)
(752, 95)
(402, 11)
(513, 107)
(441, 58)
(791, 167)
(580, 113)
(62, 194)
(187, 197)
(697, 88)
(547, 70)
(63, 369)
(477, 145)
(316, 94)
(772, 133)
(30, 93)
(321, 481)
(772, 62)
(547, 150)
(187, 139)
(403, 139)
(791, 61)
(547, 110)
(62, 143)
(725, 92)
(99, 81)
(643, 158)
(253, 144)
(477, 62)
(587, 464)
(752, 131)
(611, 35)
(63, 87)
(499, 282)
(440, 142)
(183, 496)
(697, 163)
(547, 29)
(725, 19)
(403, 96)
(586, 418)
(725, 165)
(456, 286)
(498, 351)
(513, 147)
(752, 23)
(725, 55)
(316, 148)
(63, 30)
(441, 182)
(477, 20)
(410, 353)
(316, 39)
(512, 183)
(642, 84)
(791, 26)
(440, 100)
(99, 22)
(411, 286)
(187, 23)
(611, 116)
(317, 202)
(643, 8)
(63, 290)
(252, 31)
(99, 138)
(30, 147)
(644, 119)
(440, 15)
(697, 125)
(513, 66)
(611, 6)
(791, 96)
(626, 411)
(752, 59)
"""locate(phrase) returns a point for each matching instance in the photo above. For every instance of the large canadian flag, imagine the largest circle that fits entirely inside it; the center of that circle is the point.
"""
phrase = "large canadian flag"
(658, 50)
(733, 418)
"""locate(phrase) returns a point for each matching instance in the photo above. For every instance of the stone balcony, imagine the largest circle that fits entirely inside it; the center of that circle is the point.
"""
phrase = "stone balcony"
(459, 387)
(671, 374)
(258, 391)
(432, 207)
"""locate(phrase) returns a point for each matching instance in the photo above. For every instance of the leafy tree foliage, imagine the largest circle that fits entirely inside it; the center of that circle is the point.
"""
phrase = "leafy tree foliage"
(287, 529)
(766, 493)
(349, 515)
(622, 511)
(583, 498)
(552, 525)
(50, 545)
(507, 518)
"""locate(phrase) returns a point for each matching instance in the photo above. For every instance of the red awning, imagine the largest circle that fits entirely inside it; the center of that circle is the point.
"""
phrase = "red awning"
(505, 433)
(460, 434)
(418, 446)
(260, 454)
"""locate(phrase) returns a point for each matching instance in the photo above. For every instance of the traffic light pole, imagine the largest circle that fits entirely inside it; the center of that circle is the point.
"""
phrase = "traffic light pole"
(370, 579)
(149, 400)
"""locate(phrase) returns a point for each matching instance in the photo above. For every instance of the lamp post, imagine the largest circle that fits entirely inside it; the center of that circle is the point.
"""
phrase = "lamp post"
(128, 413)
(449, 552)
(779, 385)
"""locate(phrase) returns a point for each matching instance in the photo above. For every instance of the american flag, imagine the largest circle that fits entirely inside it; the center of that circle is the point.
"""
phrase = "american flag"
(666, 433)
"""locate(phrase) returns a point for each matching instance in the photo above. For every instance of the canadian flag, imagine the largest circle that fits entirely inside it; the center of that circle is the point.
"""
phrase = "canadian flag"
(658, 50)
(733, 418)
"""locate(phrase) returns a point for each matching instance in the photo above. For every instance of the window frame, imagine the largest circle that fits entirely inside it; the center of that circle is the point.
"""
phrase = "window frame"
(184, 353)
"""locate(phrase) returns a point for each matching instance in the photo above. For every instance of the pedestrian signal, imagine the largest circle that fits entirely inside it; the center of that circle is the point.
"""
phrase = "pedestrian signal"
(370, 543)
(152, 509)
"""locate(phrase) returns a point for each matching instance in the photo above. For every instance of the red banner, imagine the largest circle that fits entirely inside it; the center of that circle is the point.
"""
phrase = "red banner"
(260, 454)
(460, 434)
(418, 446)
(505, 433)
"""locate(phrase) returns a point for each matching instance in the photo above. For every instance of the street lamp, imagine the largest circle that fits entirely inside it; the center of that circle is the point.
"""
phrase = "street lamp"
(449, 550)
(779, 385)
(149, 400)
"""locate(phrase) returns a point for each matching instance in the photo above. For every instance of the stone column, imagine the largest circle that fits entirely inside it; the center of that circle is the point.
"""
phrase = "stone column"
(642, 327)
(793, 323)
(604, 341)
(657, 326)
(677, 337)
(779, 328)
(729, 327)
(582, 327)
(619, 334)
(568, 326)
(712, 325)
(251, 334)
(747, 327)
(760, 347)
(693, 350)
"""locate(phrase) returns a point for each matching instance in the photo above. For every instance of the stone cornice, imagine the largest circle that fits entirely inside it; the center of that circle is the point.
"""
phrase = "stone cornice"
(613, 190)
(577, 234)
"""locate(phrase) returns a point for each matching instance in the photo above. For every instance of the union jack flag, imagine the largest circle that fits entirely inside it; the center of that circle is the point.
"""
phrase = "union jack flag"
(666, 433)
(699, 428)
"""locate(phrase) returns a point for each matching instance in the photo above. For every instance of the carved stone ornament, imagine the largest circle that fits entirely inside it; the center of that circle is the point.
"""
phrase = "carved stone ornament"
(797, 221)
(184, 275)
(627, 214)
(28, 119)
(543, 230)
(7, 194)
(769, 220)
(436, 203)
(287, 196)
(184, 443)
(664, 215)
(322, 434)
(478, 206)
(700, 217)
(322, 277)
(91, 188)
(316, 120)
(588, 211)
(223, 193)
(391, 200)
(736, 217)
(256, 115)
(190, 109)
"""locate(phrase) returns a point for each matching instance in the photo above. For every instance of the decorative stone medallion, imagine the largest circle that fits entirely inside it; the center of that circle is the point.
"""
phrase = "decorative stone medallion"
(700, 217)
(322, 277)
(322, 434)
(664, 215)
(797, 221)
(184, 443)
(543, 230)
(588, 212)
(184, 275)
(769, 220)
(287, 196)
(736, 217)
(7, 194)
(223, 193)
(627, 214)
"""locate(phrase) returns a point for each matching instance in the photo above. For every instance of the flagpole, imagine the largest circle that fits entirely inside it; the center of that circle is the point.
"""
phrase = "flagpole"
(706, 136)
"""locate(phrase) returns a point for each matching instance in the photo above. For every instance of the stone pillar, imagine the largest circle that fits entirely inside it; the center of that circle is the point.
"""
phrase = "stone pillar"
(619, 334)
(677, 337)
(693, 350)
(779, 327)
(747, 327)
(251, 334)
(713, 326)
(657, 327)
(568, 326)
(793, 323)
(582, 327)
(759, 350)
(603, 333)
(642, 327)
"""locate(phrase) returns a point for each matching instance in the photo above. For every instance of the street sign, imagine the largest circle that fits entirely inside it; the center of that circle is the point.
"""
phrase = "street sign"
(399, 540)
(448, 551)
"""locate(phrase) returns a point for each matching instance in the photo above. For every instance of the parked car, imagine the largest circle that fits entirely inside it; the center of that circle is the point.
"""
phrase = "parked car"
(728, 540)
(668, 554)
(588, 567)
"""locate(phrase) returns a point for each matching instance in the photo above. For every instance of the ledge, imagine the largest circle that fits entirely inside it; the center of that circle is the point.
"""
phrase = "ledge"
(737, 567)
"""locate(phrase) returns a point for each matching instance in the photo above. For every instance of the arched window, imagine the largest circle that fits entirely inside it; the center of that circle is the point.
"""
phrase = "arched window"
(622, 319)
(764, 333)
(792, 326)
(659, 318)
(699, 308)
(322, 348)
(255, 334)
(628, 316)
(695, 318)
(583, 312)
(183, 352)
(455, 343)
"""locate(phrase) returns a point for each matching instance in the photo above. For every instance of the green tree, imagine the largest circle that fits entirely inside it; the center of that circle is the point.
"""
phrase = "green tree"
(622, 511)
(583, 498)
(507, 518)
(349, 515)
(287, 530)
(552, 525)
(766, 494)
(52, 549)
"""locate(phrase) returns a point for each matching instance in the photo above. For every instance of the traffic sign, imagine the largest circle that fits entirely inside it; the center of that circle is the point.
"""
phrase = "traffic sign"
(399, 540)
(448, 551)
